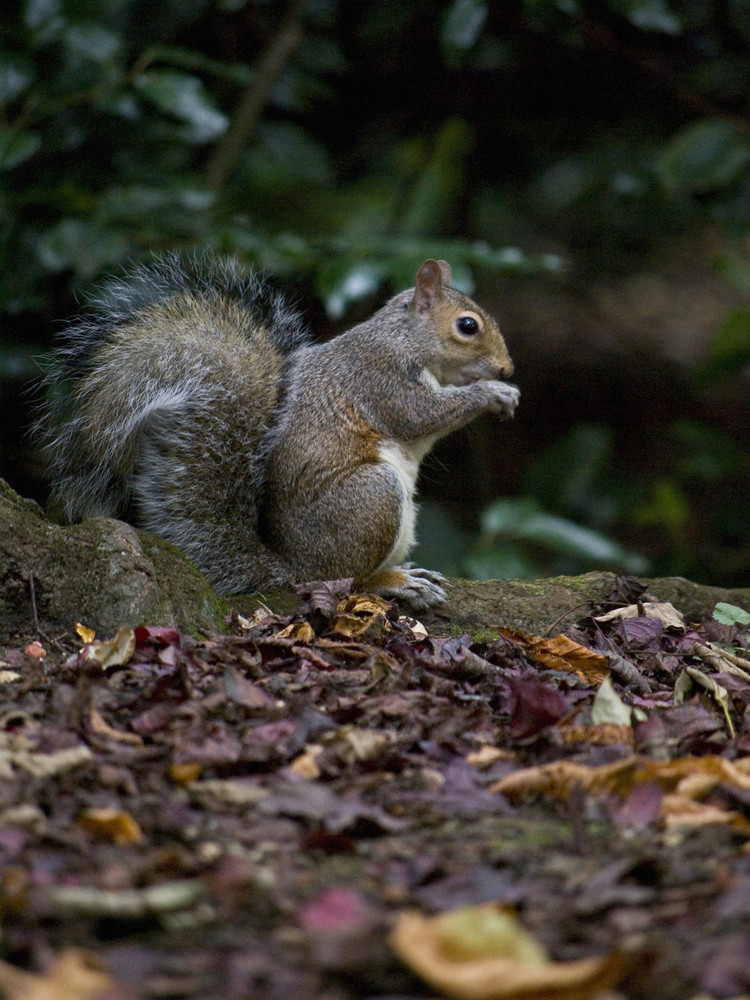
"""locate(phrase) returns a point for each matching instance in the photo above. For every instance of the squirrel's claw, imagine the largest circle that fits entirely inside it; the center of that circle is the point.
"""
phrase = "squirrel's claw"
(420, 588)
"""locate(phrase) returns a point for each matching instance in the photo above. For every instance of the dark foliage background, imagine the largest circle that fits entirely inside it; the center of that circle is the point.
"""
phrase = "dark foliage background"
(584, 166)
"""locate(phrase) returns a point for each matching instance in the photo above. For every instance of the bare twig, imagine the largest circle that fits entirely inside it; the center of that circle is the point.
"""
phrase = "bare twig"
(254, 99)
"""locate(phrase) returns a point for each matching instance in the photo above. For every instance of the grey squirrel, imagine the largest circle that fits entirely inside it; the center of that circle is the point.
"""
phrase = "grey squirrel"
(192, 402)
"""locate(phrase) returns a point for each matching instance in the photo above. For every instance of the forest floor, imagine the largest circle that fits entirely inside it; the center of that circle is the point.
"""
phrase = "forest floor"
(335, 805)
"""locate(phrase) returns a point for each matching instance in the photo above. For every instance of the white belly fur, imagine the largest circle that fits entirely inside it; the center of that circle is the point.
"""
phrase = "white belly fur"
(404, 460)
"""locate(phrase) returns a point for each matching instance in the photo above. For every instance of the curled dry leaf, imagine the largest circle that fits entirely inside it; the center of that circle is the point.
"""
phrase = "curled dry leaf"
(562, 653)
(113, 652)
(101, 727)
(362, 617)
(302, 631)
(483, 953)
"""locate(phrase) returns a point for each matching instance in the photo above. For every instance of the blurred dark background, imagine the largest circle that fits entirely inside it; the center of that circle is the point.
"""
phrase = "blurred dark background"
(585, 168)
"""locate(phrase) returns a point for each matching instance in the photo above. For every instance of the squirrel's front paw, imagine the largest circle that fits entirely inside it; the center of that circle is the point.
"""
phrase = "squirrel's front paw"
(505, 399)
(421, 588)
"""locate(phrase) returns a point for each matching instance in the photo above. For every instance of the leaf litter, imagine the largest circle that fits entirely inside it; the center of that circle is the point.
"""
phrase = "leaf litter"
(335, 805)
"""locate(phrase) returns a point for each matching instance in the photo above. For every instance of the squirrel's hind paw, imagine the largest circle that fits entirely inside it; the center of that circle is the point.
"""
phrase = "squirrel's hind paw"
(420, 588)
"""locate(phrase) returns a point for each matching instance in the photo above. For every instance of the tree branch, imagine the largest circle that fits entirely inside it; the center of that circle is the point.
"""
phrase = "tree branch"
(254, 99)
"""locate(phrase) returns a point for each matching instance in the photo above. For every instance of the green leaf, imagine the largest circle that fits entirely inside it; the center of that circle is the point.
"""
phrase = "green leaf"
(17, 147)
(706, 156)
(438, 184)
(78, 246)
(463, 23)
(14, 78)
(44, 18)
(185, 98)
(91, 42)
(653, 15)
(730, 351)
(730, 614)
(341, 283)
(521, 519)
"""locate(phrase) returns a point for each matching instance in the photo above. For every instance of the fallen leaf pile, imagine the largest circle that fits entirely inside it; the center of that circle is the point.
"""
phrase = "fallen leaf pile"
(336, 805)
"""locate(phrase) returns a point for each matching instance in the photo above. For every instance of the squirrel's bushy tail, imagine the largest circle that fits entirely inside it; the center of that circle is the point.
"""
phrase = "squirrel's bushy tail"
(168, 344)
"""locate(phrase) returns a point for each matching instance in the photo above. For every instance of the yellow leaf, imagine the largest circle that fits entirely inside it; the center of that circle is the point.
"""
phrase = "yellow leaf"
(185, 773)
(85, 634)
(297, 630)
(482, 953)
(111, 824)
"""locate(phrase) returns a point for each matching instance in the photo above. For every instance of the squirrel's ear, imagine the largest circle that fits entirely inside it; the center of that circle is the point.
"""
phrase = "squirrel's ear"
(428, 287)
(445, 270)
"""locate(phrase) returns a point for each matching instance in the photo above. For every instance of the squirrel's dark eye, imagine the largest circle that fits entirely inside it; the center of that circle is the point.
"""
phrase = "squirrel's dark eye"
(467, 326)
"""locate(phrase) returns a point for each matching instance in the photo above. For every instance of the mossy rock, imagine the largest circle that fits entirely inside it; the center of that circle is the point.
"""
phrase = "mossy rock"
(101, 572)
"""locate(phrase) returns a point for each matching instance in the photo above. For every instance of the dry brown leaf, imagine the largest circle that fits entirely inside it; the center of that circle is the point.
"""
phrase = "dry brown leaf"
(111, 824)
(602, 735)
(362, 617)
(560, 777)
(510, 966)
(562, 653)
(101, 727)
(685, 781)
(74, 975)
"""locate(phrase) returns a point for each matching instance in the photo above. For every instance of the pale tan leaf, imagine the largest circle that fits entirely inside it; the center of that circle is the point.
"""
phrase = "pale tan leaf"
(663, 610)
(474, 955)
(74, 975)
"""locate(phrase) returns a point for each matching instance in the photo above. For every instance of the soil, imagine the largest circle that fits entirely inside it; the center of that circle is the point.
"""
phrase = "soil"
(251, 816)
